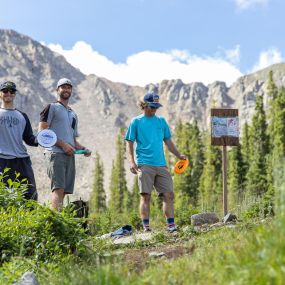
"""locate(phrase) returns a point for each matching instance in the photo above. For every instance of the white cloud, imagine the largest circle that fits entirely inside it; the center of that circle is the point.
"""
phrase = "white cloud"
(245, 4)
(233, 55)
(267, 58)
(152, 67)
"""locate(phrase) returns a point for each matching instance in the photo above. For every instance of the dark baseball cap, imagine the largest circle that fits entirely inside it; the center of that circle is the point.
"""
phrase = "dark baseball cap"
(8, 85)
(152, 100)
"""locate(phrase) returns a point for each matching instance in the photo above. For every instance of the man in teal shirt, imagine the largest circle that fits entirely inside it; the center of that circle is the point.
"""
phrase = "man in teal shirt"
(149, 131)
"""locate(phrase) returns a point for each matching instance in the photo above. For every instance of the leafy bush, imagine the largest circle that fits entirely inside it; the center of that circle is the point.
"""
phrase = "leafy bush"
(261, 208)
(183, 215)
(11, 193)
(29, 229)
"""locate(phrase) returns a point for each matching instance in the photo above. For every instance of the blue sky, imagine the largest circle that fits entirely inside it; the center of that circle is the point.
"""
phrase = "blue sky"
(143, 41)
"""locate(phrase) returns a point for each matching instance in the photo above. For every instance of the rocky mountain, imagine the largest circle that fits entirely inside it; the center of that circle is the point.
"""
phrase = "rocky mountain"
(104, 106)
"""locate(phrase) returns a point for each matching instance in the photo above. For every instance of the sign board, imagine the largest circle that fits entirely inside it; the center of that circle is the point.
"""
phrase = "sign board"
(224, 127)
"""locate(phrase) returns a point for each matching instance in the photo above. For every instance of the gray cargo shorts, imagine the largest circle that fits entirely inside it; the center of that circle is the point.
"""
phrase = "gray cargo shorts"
(154, 176)
(61, 171)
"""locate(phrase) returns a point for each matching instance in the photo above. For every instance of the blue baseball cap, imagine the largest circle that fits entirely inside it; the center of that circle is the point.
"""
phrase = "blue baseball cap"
(152, 100)
(8, 85)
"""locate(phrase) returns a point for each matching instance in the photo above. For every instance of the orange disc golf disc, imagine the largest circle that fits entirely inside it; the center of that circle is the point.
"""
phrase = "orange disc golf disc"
(181, 165)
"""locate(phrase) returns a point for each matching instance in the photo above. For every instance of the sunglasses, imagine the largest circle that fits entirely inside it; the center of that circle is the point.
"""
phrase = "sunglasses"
(154, 108)
(5, 91)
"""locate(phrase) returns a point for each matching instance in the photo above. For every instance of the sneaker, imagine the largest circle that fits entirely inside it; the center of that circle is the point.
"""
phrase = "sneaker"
(172, 229)
(147, 229)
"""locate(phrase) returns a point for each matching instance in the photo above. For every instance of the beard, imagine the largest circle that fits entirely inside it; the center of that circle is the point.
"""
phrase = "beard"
(65, 95)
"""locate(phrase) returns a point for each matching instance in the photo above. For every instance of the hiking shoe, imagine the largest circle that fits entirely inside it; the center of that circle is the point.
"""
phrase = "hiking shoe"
(172, 229)
(147, 230)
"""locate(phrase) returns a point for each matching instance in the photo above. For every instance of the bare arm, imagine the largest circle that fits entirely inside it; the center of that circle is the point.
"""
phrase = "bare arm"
(133, 165)
(172, 148)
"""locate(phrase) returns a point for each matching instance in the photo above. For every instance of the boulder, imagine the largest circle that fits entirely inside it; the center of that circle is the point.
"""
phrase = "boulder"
(204, 218)
(28, 278)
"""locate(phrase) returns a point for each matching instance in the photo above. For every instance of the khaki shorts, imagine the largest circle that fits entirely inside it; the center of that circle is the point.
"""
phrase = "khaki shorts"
(61, 171)
(154, 176)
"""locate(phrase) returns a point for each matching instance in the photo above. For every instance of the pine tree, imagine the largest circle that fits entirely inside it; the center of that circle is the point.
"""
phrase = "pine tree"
(188, 141)
(272, 93)
(245, 148)
(276, 119)
(259, 149)
(197, 162)
(181, 182)
(272, 90)
(118, 184)
(278, 134)
(210, 187)
(98, 196)
(135, 194)
(236, 176)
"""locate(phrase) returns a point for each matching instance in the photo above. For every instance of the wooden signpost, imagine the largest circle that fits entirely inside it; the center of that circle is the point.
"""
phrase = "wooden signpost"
(224, 132)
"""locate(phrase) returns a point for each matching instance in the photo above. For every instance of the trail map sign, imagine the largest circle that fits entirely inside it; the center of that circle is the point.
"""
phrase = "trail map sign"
(224, 132)
(224, 127)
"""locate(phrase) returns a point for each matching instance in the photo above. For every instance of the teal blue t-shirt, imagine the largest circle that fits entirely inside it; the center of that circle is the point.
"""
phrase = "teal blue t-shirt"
(149, 134)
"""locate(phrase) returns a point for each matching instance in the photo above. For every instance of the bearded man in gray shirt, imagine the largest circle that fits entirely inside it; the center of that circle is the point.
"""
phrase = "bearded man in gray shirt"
(15, 127)
(60, 118)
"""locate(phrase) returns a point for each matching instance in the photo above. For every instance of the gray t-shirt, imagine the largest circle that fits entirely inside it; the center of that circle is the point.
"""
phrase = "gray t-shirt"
(63, 121)
(15, 127)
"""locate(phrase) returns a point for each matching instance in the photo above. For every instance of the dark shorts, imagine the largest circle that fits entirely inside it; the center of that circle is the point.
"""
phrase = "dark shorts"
(61, 171)
(24, 167)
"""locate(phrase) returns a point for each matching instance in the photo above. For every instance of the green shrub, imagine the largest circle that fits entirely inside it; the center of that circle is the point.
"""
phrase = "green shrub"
(29, 229)
(39, 233)
(11, 193)
(183, 215)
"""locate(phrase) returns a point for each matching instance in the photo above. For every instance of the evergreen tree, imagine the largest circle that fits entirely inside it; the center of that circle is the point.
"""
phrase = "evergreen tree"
(98, 196)
(236, 176)
(210, 187)
(272, 90)
(278, 130)
(276, 119)
(197, 162)
(135, 194)
(272, 93)
(188, 141)
(245, 148)
(259, 149)
(118, 184)
(181, 182)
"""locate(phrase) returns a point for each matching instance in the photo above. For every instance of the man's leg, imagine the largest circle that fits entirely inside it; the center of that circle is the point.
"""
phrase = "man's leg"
(26, 171)
(146, 176)
(57, 197)
(56, 169)
(145, 209)
(168, 207)
(164, 185)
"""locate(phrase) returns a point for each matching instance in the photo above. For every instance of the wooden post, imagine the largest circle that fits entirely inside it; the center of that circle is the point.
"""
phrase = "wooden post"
(224, 131)
(225, 188)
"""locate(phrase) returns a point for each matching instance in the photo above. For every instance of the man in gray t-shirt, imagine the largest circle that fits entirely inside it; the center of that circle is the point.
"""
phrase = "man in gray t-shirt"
(60, 118)
(15, 127)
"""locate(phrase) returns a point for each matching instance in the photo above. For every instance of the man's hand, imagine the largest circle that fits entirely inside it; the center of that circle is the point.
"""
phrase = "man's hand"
(183, 156)
(68, 149)
(134, 168)
(88, 153)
